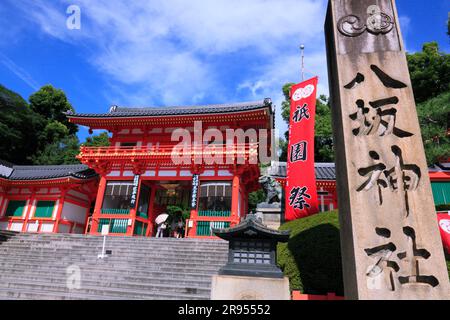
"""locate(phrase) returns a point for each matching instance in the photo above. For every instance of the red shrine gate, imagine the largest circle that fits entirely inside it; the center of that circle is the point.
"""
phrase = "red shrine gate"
(139, 176)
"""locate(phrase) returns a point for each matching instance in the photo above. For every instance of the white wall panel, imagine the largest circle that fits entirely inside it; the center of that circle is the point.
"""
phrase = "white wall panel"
(47, 226)
(74, 213)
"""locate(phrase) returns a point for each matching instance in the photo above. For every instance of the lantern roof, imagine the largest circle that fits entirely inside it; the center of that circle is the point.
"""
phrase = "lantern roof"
(251, 228)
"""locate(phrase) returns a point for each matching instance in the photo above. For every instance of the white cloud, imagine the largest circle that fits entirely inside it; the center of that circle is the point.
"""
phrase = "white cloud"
(19, 72)
(171, 51)
(405, 27)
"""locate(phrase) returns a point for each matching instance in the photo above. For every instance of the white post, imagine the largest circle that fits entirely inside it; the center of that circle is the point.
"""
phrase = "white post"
(105, 232)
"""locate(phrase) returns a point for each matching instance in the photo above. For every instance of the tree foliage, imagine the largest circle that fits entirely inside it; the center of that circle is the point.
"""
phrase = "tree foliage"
(434, 117)
(39, 132)
(19, 126)
(430, 72)
(430, 77)
(254, 198)
(51, 103)
(100, 140)
(323, 151)
(61, 151)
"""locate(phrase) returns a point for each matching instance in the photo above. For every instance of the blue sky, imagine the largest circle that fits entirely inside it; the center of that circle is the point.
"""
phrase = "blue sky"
(177, 52)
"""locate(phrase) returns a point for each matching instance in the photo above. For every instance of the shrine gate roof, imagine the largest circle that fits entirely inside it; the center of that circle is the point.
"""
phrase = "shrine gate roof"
(323, 170)
(38, 172)
(117, 111)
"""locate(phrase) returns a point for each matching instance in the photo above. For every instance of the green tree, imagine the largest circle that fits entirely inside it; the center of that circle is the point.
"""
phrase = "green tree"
(52, 103)
(100, 140)
(323, 140)
(54, 131)
(19, 126)
(434, 116)
(254, 198)
(430, 72)
(58, 152)
(448, 25)
(57, 140)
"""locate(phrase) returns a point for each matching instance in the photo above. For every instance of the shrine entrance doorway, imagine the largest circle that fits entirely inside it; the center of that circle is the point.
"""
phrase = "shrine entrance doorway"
(171, 197)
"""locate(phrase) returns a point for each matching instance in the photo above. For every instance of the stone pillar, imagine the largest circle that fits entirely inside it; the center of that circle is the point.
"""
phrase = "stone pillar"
(270, 214)
(391, 248)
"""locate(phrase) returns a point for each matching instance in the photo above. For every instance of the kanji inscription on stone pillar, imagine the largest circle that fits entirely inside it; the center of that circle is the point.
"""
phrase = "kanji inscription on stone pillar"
(391, 247)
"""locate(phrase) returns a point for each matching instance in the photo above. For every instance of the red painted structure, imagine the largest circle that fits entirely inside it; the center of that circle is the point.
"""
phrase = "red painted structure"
(141, 147)
(71, 198)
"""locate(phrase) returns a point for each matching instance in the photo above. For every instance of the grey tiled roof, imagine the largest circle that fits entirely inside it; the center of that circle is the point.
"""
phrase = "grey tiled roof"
(116, 111)
(323, 170)
(5, 169)
(440, 167)
(78, 171)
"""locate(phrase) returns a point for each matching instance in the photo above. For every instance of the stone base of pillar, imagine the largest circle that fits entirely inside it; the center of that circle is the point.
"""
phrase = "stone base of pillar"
(270, 215)
(225, 287)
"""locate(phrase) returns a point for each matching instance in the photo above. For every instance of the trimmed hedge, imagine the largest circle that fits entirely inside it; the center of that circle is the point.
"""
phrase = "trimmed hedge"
(312, 257)
(443, 207)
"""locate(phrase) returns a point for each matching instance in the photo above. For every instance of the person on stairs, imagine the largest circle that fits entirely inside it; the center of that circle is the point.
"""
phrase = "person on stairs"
(161, 228)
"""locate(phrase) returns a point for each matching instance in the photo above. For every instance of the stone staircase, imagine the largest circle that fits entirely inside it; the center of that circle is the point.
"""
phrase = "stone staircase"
(42, 266)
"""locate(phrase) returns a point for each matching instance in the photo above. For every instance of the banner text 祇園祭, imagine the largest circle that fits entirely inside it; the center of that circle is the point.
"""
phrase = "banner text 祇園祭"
(301, 192)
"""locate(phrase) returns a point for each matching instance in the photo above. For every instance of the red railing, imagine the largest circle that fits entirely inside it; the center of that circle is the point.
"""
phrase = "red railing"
(296, 295)
(175, 153)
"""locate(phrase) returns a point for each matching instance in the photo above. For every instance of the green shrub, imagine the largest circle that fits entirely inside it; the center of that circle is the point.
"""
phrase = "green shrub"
(312, 259)
(443, 207)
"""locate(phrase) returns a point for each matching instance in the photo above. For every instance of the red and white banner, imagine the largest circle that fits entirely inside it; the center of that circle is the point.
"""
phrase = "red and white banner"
(444, 228)
(301, 191)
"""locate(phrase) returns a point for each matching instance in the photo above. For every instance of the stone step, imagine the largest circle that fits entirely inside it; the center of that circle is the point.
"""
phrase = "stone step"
(121, 250)
(88, 256)
(115, 273)
(130, 283)
(33, 266)
(110, 291)
(130, 240)
(58, 246)
(159, 277)
(122, 266)
(37, 294)
(114, 259)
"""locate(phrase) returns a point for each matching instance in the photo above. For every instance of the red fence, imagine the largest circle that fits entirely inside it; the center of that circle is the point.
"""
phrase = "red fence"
(297, 295)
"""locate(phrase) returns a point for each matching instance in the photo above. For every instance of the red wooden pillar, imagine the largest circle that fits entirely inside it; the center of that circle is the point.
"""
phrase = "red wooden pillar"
(151, 213)
(60, 207)
(133, 211)
(2, 202)
(98, 204)
(235, 199)
(28, 210)
(192, 232)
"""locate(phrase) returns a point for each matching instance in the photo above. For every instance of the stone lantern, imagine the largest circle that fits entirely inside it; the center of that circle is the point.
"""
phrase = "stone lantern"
(251, 271)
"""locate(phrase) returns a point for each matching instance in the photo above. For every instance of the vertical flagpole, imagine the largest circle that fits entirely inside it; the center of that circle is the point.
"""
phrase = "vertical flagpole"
(302, 48)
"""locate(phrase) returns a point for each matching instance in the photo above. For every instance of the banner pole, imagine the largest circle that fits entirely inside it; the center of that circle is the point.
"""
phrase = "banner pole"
(302, 48)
